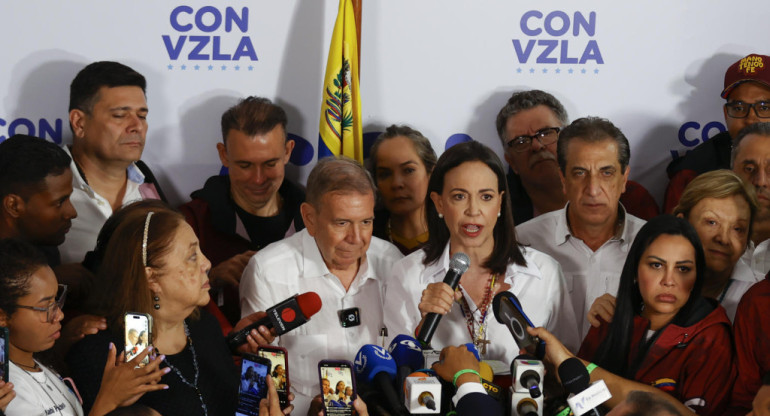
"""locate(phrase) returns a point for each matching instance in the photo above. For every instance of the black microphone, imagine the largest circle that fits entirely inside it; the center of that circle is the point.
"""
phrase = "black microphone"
(576, 380)
(284, 317)
(457, 266)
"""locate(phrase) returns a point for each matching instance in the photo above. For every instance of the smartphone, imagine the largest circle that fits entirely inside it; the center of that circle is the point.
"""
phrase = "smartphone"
(4, 353)
(279, 362)
(253, 384)
(338, 387)
(138, 335)
(512, 315)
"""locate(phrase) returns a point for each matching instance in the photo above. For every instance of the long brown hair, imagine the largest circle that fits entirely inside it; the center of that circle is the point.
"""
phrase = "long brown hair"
(122, 284)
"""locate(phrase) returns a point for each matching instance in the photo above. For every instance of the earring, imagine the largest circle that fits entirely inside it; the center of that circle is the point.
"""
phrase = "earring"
(498, 214)
(156, 299)
(440, 215)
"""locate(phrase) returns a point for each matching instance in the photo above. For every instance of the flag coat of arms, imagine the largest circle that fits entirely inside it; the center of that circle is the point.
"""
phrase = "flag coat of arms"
(340, 124)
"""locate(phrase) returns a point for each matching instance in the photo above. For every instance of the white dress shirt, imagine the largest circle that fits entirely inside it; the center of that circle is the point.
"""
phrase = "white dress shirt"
(741, 280)
(589, 273)
(295, 265)
(93, 210)
(758, 258)
(539, 286)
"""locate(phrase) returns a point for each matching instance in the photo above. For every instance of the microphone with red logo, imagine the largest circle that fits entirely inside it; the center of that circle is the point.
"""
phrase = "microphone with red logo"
(283, 317)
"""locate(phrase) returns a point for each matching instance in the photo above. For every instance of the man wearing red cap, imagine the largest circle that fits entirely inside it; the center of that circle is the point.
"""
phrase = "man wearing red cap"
(747, 91)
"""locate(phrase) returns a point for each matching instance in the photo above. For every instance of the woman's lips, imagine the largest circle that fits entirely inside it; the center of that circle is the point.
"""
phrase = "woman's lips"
(665, 298)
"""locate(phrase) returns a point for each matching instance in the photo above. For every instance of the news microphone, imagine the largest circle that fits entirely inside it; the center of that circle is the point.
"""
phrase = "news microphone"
(509, 312)
(283, 317)
(422, 392)
(406, 352)
(457, 266)
(376, 368)
(487, 380)
(526, 396)
(576, 380)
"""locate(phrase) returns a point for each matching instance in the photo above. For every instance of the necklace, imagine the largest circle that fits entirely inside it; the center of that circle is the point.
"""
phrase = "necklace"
(45, 385)
(31, 367)
(478, 334)
(194, 384)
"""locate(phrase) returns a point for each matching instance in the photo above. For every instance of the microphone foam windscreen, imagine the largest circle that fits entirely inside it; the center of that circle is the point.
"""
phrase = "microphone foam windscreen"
(407, 352)
(485, 371)
(372, 360)
(309, 303)
(574, 376)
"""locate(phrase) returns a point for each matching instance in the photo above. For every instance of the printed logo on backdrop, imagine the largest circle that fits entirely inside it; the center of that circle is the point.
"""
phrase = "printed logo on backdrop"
(51, 129)
(692, 133)
(209, 38)
(557, 43)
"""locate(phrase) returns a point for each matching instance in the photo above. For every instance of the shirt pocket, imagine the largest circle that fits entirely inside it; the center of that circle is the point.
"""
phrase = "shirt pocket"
(305, 351)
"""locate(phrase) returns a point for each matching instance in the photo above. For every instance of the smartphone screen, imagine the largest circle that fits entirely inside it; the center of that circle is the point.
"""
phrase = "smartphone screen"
(337, 387)
(4, 354)
(138, 335)
(280, 371)
(253, 384)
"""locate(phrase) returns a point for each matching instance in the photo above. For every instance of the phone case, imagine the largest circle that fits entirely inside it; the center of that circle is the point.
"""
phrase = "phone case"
(141, 323)
(253, 387)
(4, 353)
(282, 395)
(331, 367)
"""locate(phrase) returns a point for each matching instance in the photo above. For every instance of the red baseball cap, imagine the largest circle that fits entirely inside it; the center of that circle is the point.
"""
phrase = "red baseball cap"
(750, 68)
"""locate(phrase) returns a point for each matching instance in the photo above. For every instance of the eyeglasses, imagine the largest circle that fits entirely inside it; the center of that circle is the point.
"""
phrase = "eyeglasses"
(545, 136)
(739, 109)
(53, 308)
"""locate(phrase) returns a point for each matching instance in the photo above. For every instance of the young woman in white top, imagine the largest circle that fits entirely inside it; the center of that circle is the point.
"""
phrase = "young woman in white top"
(30, 307)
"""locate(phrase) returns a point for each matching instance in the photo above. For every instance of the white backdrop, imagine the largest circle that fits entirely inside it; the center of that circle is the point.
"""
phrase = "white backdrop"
(654, 68)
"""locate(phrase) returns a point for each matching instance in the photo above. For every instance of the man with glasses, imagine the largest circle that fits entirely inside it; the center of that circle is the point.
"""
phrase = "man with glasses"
(747, 91)
(528, 126)
(591, 235)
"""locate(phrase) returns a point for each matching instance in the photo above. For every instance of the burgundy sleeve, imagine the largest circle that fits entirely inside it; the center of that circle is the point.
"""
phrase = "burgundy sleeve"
(752, 345)
(675, 189)
(708, 372)
(638, 201)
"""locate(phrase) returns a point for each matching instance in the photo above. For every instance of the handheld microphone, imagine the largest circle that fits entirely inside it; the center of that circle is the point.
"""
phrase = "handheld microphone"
(283, 317)
(376, 368)
(422, 392)
(509, 312)
(457, 266)
(587, 397)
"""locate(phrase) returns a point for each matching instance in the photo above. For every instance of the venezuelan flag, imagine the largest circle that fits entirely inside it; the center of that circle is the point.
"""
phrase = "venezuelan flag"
(340, 125)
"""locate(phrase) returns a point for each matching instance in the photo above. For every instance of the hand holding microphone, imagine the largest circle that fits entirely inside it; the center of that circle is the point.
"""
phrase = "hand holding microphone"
(437, 299)
(455, 359)
(283, 317)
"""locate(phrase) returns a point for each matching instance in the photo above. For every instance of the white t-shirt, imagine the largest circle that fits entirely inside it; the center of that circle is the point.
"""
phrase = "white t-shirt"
(41, 393)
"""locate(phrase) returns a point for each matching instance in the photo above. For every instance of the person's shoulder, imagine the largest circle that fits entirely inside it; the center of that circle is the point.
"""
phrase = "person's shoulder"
(756, 298)
(540, 228)
(279, 250)
(539, 259)
(383, 250)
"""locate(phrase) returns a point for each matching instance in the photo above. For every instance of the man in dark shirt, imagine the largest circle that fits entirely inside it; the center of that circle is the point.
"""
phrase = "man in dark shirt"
(254, 205)
(747, 85)
(529, 126)
(35, 189)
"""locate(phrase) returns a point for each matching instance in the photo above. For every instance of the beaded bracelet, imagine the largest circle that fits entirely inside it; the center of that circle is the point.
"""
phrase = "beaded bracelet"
(465, 371)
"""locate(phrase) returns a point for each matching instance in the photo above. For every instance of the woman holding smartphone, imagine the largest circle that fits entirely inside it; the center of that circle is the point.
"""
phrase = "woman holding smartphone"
(664, 333)
(153, 265)
(30, 307)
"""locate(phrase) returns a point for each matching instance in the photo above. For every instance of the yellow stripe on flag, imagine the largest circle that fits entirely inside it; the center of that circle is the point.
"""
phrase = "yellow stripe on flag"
(340, 123)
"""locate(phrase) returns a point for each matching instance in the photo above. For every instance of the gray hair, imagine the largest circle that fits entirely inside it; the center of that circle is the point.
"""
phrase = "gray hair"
(337, 174)
(593, 129)
(761, 129)
(524, 100)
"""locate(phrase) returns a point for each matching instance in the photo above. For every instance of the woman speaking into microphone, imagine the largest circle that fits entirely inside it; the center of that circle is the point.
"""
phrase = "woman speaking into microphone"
(468, 211)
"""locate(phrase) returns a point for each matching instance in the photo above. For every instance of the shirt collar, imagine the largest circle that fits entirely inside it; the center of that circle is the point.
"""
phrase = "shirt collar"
(132, 172)
(441, 266)
(313, 262)
(562, 232)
